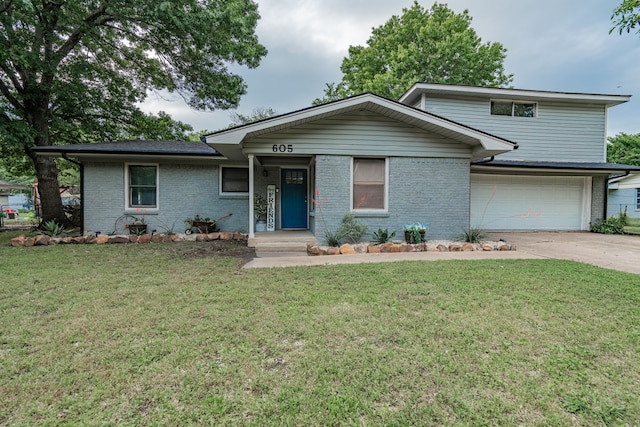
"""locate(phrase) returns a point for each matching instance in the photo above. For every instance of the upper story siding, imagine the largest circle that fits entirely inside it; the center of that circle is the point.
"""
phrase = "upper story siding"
(359, 134)
(559, 132)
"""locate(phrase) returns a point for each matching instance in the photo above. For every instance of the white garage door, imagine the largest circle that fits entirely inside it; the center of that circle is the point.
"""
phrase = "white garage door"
(511, 202)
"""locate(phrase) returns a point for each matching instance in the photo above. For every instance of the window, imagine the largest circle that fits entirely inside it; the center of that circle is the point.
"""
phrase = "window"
(515, 109)
(369, 183)
(638, 198)
(234, 180)
(143, 186)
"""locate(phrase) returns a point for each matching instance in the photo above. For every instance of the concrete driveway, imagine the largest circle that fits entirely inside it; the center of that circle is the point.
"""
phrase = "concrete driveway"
(614, 252)
(609, 251)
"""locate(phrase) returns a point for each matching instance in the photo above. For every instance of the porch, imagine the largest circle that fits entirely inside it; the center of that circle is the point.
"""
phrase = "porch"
(282, 241)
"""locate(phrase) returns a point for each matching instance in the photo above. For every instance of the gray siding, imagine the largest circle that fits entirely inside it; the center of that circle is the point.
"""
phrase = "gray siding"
(427, 190)
(560, 132)
(358, 134)
(622, 200)
(184, 190)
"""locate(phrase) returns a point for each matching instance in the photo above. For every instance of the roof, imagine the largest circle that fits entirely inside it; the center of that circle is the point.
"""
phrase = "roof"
(132, 147)
(583, 167)
(8, 186)
(229, 141)
(625, 182)
(412, 96)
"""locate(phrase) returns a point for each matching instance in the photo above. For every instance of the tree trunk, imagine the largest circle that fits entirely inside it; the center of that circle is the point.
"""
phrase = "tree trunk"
(49, 190)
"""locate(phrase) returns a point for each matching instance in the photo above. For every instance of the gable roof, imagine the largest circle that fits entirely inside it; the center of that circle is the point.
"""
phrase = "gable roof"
(229, 141)
(131, 147)
(626, 181)
(412, 96)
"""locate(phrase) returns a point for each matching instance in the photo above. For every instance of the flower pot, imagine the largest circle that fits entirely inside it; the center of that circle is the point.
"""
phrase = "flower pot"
(409, 238)
(261, 225)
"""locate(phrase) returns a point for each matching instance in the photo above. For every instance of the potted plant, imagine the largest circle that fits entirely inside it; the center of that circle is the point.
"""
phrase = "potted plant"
(137, 226)
(260, 208)
(415, 232)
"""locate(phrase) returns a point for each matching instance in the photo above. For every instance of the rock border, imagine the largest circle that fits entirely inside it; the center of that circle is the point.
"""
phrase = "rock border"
(44, 240)
(394, 247)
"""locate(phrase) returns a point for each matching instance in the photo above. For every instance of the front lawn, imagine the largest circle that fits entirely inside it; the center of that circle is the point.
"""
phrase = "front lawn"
(171, 334)
(632, 226)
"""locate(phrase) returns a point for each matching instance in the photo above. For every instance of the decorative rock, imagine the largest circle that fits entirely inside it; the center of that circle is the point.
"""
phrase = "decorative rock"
(156, 238)
(386, 247)
(29, 241)
(119, 238)
(373, 249)
(213, 236)
(396, 248)
(79, 240)
(455, 248)
(332, 250)
(240, 237)
(442, 248)
(360, 248)
(225, 235)
(467, 247)
(177, 238)
(133, 238)
(89, 240)
(504, 247)
(313, 250)
(17, 241)
(145, 238)
(102, 239)
(55, 241)
(486, 247)
(42, 240)
(166, 238)
(347, 249)
(66, 240)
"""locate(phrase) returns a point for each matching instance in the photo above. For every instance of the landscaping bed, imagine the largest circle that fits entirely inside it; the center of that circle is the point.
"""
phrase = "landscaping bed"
(391, 247)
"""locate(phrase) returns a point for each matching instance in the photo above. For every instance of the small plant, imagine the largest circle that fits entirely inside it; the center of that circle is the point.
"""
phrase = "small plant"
(611, 225)
(382, 236)
(332, 239)
(260, 206)
(52, 229)
(415, 232)
(472, 235)
(351, 229)
(168, 230)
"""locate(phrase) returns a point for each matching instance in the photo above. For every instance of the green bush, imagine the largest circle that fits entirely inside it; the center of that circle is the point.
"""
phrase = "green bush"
(611, 225)
(351, 229)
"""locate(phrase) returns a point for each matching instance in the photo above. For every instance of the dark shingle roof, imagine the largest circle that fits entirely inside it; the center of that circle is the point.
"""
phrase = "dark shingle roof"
(166, 148)
(586, 166)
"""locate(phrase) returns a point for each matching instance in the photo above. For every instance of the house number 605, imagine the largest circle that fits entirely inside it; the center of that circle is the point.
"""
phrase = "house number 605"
(282, 148)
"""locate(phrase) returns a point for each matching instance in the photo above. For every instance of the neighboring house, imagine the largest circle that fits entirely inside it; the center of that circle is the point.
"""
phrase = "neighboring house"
(624, 196)
(451, 156)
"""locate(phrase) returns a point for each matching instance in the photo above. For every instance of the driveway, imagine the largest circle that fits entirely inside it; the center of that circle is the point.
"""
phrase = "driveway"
(609, 251)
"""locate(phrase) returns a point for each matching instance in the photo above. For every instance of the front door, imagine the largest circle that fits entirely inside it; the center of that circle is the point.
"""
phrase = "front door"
(293, 198)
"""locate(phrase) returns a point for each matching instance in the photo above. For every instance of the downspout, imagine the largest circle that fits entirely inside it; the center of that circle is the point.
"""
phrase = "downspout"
(489, 160)
(81, 166)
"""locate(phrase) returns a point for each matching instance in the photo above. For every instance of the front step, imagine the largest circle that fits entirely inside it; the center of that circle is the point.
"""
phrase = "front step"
(282, 241)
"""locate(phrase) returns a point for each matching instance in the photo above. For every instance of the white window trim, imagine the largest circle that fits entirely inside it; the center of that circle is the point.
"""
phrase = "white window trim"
(513, 106)
(229, 193)
(137, 209)
(386, 186)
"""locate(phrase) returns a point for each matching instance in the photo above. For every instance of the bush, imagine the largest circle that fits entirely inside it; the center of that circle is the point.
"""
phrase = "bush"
(351, 229)
(472, 235)
(611, 225)
(382, 236)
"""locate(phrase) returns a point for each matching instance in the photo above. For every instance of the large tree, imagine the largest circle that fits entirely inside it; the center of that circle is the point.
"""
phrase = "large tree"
(74, 70)
(624, 148)
(435, 45)
(626, 17)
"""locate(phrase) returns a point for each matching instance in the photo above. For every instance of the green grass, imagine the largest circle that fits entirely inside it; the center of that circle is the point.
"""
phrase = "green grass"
(633, 225)
(164, 334)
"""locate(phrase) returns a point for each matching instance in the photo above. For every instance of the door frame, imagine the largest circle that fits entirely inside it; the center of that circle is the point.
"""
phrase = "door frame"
(306, 196)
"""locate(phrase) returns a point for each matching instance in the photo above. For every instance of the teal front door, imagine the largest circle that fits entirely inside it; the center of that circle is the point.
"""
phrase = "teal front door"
(293, 198)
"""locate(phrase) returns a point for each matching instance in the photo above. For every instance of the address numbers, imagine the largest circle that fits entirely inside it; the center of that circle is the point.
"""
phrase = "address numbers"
(282, 148)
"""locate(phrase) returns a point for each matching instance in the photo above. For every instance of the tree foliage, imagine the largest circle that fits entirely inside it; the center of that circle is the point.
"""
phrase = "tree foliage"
(257, 114)
(74, 70)
(624, 149)
(626, 17)
(435, 45)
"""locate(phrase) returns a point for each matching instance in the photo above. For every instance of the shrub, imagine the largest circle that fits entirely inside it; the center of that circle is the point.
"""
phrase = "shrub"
(351, 229)
(472, 235)
(332, 239)
(611, 225)
(382, 236)
(52, 229)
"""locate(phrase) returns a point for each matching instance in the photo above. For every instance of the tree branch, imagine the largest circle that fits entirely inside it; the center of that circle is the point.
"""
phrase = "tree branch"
(7, 94)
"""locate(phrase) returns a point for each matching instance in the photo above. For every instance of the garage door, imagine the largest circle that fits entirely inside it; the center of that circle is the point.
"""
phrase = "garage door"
(506, 202)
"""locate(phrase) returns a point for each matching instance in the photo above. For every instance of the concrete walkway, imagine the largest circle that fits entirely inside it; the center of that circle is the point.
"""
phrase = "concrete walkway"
(614, 252)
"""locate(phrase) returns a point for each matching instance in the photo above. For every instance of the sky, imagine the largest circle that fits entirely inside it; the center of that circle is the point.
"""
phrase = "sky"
(553, 45)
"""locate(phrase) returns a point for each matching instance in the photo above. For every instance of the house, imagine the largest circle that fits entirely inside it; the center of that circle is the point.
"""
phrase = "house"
(454, 157)
(624, 196)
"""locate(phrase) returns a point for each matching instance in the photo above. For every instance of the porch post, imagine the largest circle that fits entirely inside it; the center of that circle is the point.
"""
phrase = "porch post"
(251, 198)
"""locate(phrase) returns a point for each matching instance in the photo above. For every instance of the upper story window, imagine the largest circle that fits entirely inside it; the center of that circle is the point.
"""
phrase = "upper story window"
(514, 109)
(234, 180)
(142, 183)
(369, 184)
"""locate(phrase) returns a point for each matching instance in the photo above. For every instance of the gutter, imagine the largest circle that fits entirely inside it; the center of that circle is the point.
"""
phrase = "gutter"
(82, 199)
